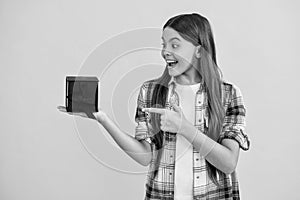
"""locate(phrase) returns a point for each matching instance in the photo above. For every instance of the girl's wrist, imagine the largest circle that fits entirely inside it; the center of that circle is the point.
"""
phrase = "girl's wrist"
(101, 117)
(185, 128)
(189, 131)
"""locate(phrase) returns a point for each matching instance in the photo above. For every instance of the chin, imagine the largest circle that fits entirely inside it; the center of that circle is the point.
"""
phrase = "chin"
(173, 72)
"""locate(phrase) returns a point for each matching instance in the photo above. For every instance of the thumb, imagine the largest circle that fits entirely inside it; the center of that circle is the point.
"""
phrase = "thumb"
(176, 107)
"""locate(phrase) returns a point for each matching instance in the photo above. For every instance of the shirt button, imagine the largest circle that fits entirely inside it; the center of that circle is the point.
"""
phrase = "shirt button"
(170, 173)
(197, 159)
(199, 120)
(199, 102)
(197, 176)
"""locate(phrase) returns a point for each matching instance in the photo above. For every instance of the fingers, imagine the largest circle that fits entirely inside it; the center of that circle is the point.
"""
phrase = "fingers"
(176, 107)
(164, 123)
(163, 116)
(62, 108)
(155, 110)
(81, 114)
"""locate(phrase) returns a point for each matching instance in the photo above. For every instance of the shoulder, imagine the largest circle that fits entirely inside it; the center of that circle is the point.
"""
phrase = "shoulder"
(148, 86)
(150, 83)
(232, 89)
(146, 89)
(233, 96)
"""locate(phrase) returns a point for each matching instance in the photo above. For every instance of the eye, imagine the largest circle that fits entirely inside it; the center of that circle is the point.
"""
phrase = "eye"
(175, 45)
(163, 45)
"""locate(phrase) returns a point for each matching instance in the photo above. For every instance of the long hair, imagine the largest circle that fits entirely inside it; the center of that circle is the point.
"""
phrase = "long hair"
(197, 30)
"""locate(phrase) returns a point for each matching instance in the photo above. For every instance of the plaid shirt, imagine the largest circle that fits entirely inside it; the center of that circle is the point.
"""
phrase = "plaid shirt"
(162, 185)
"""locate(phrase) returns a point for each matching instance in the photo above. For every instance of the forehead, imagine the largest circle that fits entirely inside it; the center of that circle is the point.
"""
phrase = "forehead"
(169, 33)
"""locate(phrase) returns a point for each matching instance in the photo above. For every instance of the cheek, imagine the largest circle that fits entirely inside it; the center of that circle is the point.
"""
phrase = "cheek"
(186, 57)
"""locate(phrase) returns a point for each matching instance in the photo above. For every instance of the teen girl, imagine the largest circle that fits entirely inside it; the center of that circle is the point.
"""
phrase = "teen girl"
(190, 121)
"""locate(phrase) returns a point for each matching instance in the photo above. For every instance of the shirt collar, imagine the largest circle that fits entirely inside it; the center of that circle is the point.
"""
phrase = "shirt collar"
(172, 81)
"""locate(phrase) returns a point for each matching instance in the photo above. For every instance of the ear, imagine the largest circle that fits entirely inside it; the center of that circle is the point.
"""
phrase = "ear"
(197, 51)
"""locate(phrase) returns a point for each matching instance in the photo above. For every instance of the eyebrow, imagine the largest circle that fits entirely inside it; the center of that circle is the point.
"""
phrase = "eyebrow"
(173, 38)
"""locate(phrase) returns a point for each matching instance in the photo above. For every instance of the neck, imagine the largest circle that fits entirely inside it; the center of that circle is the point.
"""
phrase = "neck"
(186, 80)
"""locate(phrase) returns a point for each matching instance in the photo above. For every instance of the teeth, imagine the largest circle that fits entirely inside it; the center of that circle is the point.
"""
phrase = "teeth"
(171, 62)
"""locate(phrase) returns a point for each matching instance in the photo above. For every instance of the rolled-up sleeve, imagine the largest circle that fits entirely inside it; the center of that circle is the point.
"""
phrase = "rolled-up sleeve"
(143, 127)
(234, 122)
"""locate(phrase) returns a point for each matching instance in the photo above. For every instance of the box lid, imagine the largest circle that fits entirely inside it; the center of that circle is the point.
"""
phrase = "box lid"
(82, 78)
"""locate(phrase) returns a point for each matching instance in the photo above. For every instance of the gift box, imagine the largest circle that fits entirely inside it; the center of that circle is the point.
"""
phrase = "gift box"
(82, 94)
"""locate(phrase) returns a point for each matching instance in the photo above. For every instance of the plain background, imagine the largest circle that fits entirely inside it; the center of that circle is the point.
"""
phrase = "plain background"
(41, 156)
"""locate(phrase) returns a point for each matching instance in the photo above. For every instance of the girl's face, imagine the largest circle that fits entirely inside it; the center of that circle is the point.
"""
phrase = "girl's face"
(181, 56)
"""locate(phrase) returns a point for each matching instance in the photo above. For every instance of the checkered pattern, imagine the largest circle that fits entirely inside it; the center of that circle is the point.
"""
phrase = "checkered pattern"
(162, 185)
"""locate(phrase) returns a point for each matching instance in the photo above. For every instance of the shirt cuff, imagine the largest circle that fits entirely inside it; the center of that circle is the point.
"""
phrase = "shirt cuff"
(238, 135)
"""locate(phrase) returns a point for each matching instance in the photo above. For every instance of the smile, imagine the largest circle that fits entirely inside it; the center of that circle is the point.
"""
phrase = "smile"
(171, 63)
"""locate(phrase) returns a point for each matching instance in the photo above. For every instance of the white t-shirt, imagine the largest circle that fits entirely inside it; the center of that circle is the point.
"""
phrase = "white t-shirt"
(183, 184)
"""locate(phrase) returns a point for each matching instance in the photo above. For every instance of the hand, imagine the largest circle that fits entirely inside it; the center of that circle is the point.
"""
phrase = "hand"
(170, 121)
(99, 116)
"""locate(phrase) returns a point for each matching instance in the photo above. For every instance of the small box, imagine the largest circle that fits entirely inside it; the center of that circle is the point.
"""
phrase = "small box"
(82, 94)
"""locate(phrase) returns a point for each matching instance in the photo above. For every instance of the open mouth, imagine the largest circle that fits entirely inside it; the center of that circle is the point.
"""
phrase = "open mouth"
(171, 63)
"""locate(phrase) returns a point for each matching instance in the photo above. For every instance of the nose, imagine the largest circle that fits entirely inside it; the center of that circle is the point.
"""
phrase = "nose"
(165, 53)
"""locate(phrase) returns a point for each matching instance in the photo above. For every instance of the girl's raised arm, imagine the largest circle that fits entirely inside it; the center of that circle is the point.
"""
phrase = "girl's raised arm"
(139, 150)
